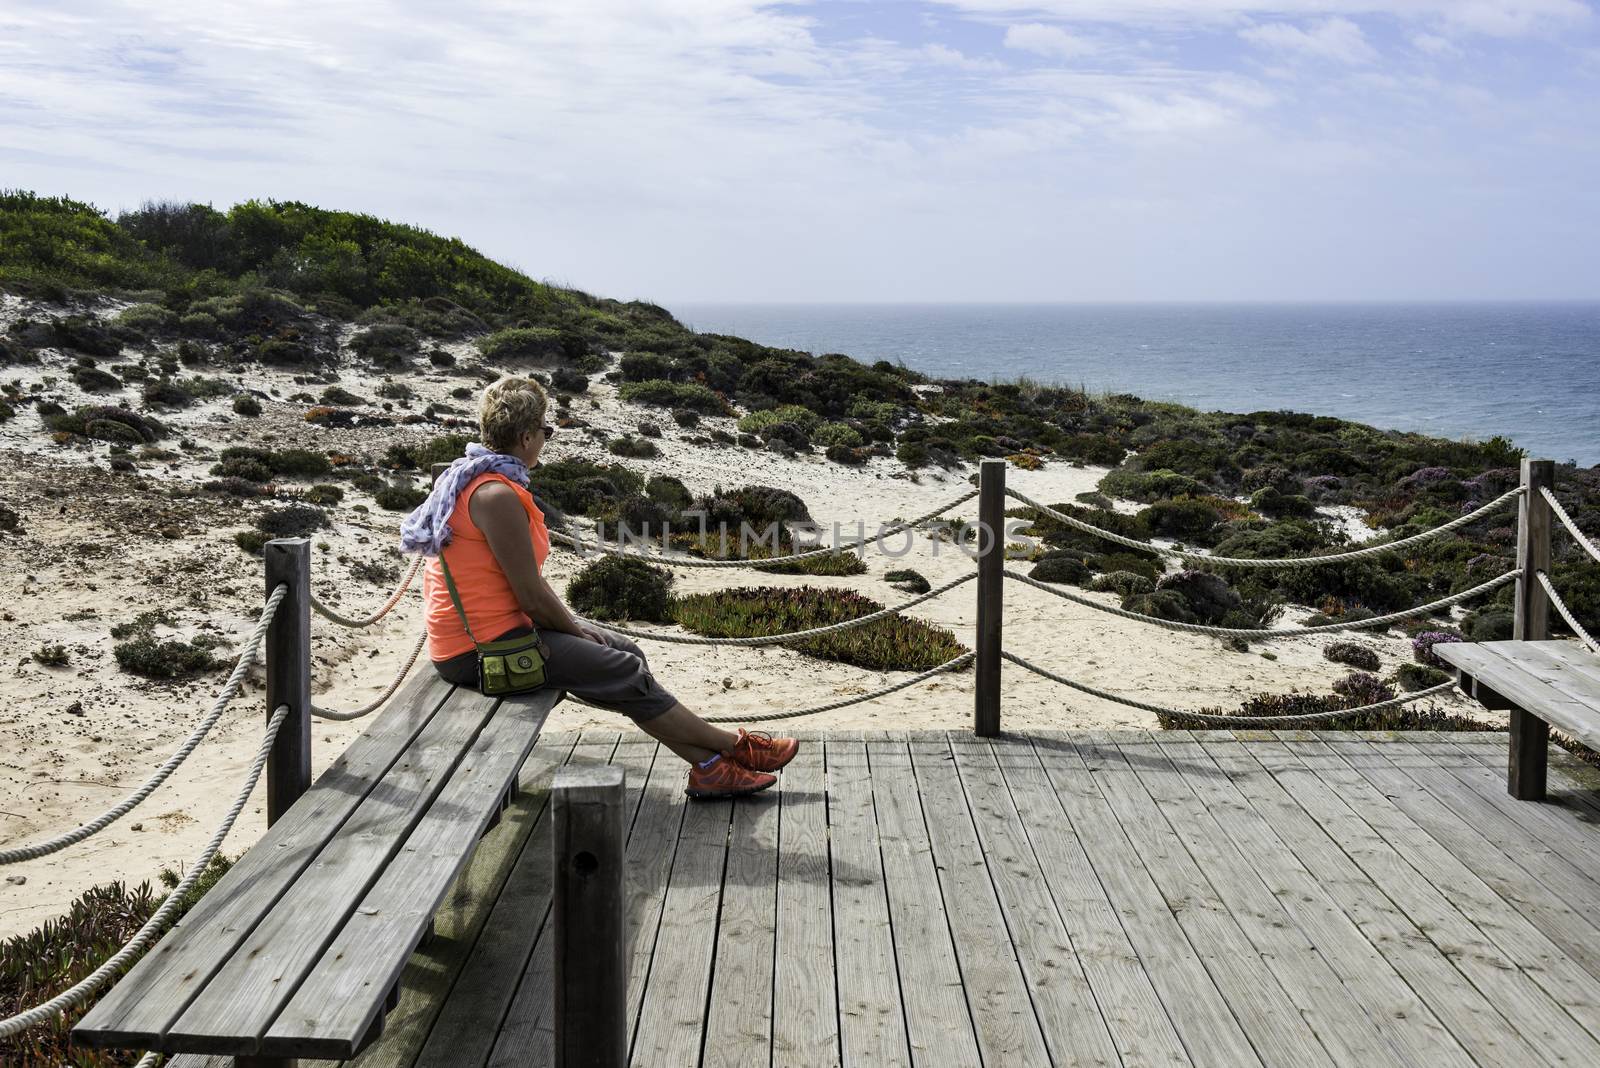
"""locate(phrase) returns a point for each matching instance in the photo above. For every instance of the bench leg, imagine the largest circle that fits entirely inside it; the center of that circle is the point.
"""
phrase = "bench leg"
(1529, 756)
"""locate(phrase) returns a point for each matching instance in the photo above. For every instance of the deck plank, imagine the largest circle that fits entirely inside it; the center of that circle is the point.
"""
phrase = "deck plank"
(872, 1026)
(739, 1022)
(672, 1012)
(1276, 1026)
(938, 1022)
(1069, 1016)
(1002, 1011)
(805, 1008)
(1555, 896)
(1257, 895)
(1380, 992)
(1343, 803)
(525, 1035)
(1471, 1018)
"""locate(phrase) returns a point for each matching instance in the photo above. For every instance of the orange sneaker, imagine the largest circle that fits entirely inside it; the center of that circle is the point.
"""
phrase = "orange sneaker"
(760, 751)
(726, 778)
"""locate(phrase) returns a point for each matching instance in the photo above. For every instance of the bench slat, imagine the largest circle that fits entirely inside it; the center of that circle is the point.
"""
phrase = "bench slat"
(332, 1013)
(139, 1008)
(1555, 681)
(234, 1009)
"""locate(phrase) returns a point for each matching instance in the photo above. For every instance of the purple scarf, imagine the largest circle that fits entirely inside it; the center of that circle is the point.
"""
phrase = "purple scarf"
(427, 529)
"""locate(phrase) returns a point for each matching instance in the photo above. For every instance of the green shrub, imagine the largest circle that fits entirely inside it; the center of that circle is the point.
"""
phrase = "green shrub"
(566, 380)
(41, 963)
(94, 380)
(1402, 718)
(1489, 625)
(291, 521)
(117, 425)
(150, 319)
(51, 655)
(140, 652)
(398, 497)
(1183, 519)
(836, 435)
(1354, 654)
(636, 448)
(804, 418)
(894, 643)
(761, 505)
(907, 579)
(1163, 604)
(1150, 486)
(522, 343)
(1061, 568)
(252, 541)
(247, 406)
(437, 450)
(669, 491)
(664, 394)
(1412, 677)
(622, 588)
(644, 366)
(583, 488)
(324, 494)
(1126, 583)
(340, 397)
(385, 343)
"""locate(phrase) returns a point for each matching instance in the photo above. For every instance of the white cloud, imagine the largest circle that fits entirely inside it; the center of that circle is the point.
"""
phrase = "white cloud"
(1434, 45)
(1337, 39)
(1051, 41)
(1499, 18)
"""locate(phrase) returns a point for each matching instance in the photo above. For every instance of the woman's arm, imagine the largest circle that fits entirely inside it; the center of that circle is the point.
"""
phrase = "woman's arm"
(499, 514)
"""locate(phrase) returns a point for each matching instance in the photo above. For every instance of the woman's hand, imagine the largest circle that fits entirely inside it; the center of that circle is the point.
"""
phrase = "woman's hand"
(591, 633)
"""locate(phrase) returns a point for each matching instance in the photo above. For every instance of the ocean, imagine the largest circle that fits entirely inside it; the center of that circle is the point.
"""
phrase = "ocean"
(1527, 371)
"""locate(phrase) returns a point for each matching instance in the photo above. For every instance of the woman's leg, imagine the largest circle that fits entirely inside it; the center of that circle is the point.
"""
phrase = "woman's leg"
(687, 735)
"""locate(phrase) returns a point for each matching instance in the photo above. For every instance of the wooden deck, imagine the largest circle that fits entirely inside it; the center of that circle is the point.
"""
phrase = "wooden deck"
(1293, 899)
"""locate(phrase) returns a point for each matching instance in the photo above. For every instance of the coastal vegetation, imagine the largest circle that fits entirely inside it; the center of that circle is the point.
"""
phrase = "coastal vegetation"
(197, 295)
(38, 965)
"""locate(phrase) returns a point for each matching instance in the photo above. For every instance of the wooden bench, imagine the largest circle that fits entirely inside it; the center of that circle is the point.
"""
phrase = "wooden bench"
(297, 951)
(1544, 684)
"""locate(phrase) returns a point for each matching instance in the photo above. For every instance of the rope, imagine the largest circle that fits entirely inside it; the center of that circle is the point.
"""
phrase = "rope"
(328, 713)
(78, 992)
(1566, 521)
(1561, 606)
(1201, 628)
(394, 599)
(1294, 561)
(948, 665)
(696, 561)
(792, 636)
(1206, 717)
(132, 801)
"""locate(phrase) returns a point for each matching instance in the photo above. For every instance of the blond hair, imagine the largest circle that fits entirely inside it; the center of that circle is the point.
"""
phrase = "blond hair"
(510, 408)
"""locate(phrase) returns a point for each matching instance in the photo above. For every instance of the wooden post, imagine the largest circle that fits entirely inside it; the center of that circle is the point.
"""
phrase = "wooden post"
(1530, 735)
(288, 664)
(991, 595)
(435, 471)
(591, 959)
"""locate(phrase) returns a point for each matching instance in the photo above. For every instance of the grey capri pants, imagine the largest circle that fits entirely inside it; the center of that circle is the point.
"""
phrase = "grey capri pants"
(614, 676)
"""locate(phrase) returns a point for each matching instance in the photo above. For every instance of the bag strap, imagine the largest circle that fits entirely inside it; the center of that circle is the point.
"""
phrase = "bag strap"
(455, 598)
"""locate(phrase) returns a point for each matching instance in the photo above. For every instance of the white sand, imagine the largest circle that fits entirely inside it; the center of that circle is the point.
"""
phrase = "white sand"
(75, 740)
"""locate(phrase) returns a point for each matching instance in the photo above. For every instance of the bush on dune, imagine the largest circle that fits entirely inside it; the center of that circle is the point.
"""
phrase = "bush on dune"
(894, 643)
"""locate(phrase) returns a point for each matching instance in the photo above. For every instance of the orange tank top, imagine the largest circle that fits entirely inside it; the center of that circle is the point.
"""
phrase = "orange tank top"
(486, 594)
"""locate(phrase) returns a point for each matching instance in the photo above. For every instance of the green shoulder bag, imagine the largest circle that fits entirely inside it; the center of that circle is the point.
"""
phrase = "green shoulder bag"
(511, 665)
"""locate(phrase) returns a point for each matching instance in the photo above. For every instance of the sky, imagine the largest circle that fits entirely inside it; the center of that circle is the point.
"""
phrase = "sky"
(924, 150)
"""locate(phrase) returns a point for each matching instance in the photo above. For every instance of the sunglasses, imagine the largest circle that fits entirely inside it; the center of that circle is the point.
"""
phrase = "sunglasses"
(549, 431)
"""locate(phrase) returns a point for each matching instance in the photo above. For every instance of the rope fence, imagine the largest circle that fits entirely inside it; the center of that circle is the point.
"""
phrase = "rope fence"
(1269, 632)
(794, 635)
(240, 668)
(1566, 613)
(1291, 561)
(374, 705)
(699, 561)
(1222, 720)
(87, 986)
(952, 664)
(1566, 521)
(388, 606)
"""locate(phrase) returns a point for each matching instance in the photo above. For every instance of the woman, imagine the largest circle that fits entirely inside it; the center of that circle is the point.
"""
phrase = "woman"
(482, 519)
